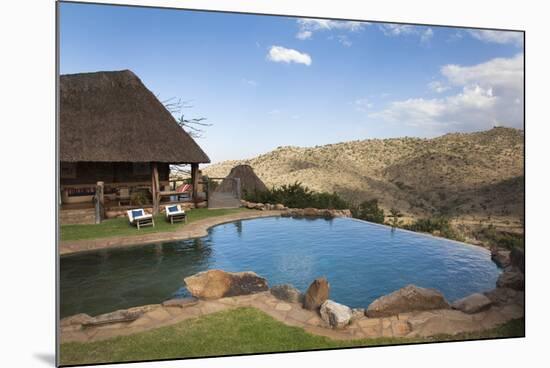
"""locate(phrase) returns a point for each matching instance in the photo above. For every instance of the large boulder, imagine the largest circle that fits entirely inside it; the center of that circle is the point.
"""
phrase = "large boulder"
(214, 284)
(287, 292)
(517, 259)
(249, 181)
(512, 280)
(316, 294)
(335, 314)
(473, 303)
(408, 299)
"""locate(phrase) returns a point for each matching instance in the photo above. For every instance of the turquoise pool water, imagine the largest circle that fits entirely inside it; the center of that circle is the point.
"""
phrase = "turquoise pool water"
(362, 261)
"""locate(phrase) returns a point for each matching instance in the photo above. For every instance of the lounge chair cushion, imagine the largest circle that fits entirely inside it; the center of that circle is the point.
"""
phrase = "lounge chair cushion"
(173, 209)
(137, 213)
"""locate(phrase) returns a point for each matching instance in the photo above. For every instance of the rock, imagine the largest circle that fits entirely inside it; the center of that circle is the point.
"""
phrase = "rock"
(473, 303)
(287, 292)
(77, 319)
(297, 212)
(511, 279)
(357, 313)
(141, 309)
(259, 206)
(202, 204)
(311, 212)
(335, 314)
(181, 302)
(316, 294)
(500, 257)
(279, 207)
(517, 259)
(214, 284)
(121, 315)
(442, 322)
(505, 296)
(251, 205)
(408, 299)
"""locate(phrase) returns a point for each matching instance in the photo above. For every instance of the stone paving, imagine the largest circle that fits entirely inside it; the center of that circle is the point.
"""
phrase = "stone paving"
(195, 229)
(415, 324)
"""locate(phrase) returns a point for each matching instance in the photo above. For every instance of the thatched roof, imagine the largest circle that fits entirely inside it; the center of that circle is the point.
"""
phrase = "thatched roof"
(112, 116)
(250, 182)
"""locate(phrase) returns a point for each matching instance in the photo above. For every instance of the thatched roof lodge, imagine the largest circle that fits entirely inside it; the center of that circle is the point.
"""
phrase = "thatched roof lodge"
(114, 130)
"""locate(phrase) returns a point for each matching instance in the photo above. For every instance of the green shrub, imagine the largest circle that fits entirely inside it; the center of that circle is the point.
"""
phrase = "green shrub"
(500, 238)
(297, 196)
(395, 216)
(439, 225)
(369, 211)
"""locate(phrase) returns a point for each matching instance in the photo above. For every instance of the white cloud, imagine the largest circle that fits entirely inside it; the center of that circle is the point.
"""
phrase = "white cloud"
(502, 37)
(470, 105)
(397, 29)
(362, 104)
(502, 74)
(281, 54)
(274, 112)
(304, 35)
(427, 35)
(394, 30)
(438, 86)
(491, 93)
(307, 27)
(344, 40)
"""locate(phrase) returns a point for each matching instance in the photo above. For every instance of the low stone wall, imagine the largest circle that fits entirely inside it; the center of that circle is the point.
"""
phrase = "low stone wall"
(297, 212)
(408, 312)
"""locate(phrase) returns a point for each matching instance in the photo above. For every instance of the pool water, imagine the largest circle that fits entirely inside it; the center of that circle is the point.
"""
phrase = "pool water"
(362, 261)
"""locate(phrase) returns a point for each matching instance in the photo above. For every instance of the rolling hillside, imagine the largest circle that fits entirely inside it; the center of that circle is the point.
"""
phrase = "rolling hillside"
(468, 176)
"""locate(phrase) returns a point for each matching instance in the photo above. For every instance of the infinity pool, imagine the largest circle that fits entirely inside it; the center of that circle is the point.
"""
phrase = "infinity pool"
(362, 261)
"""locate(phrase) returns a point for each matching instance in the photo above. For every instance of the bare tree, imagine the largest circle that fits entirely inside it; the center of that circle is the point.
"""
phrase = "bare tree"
(195, 127)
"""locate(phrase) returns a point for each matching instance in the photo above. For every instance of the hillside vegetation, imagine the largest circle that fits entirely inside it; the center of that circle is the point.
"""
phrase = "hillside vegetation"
(472, 178)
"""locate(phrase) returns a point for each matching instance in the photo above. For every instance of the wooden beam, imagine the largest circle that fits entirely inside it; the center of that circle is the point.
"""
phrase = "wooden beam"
(194, 181)
(155, 187)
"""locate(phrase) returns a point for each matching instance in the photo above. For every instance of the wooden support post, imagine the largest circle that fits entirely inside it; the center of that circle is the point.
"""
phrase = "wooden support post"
(155, 187)
(99, 200)
(195, 182)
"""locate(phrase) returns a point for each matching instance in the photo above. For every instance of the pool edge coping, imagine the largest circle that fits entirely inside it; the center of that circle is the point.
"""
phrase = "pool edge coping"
(197, 229)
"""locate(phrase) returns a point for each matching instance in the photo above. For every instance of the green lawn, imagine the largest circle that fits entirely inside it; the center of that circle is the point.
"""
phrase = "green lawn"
(239, 331)
(121, 226)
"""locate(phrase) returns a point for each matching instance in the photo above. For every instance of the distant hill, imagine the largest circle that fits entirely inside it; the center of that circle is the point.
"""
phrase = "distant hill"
(471, 176)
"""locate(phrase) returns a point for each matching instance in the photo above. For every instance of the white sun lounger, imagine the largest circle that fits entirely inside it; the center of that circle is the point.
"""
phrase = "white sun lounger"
(174, 213)
(139, 218)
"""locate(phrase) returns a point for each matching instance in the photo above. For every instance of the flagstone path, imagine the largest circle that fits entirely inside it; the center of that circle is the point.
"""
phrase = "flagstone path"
(416, 324)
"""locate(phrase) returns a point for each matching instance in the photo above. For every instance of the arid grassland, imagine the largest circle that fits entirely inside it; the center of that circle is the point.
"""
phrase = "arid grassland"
(474, 179)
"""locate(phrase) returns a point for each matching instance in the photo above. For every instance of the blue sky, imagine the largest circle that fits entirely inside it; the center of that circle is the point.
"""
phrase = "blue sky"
(266, 81)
